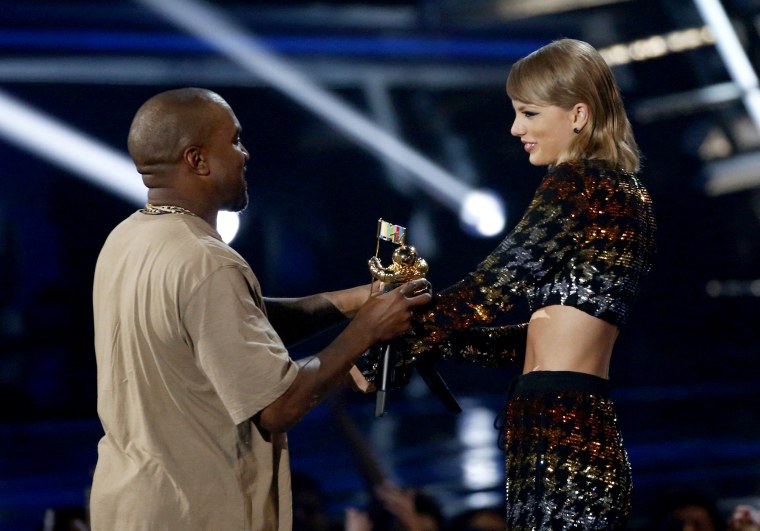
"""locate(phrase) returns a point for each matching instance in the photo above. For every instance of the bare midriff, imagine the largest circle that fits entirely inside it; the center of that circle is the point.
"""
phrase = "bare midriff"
(564, 338)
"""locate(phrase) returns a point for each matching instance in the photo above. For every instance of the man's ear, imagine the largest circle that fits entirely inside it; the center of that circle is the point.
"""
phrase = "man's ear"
(195, 159)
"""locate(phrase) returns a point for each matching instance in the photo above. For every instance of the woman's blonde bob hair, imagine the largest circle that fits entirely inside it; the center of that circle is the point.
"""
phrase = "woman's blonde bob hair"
(566, 72)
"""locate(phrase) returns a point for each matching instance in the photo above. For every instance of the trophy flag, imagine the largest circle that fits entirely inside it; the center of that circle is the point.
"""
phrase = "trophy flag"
(389, 232)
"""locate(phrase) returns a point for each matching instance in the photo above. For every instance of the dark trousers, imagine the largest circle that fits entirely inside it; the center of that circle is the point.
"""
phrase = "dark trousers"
(566, 467)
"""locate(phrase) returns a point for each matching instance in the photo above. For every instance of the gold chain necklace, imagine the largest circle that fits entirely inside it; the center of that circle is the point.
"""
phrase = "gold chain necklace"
(155, 210)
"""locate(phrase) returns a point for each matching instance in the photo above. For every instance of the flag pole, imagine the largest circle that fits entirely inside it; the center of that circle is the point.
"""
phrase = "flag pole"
(377, 253)
(379, 226)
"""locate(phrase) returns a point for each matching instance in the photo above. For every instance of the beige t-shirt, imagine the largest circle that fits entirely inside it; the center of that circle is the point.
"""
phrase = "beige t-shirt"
(186, 357)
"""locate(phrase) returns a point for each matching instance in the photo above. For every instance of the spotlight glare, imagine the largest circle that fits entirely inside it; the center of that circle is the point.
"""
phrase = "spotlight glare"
(227, 224)
(482, 212)
(480, 460)
(657, 46)
(60, 144)
(82, 155)
(210, 24)
(734, 57)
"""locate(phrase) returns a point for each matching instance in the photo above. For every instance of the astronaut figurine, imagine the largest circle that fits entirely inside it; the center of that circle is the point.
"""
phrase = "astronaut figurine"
(407, 265)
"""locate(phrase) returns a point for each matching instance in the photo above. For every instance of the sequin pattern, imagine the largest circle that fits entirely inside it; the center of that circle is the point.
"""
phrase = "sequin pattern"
(586, 240)
(566, 467)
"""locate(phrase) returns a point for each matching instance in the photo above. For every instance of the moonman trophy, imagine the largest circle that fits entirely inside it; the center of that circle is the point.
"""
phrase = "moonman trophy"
(381, 362)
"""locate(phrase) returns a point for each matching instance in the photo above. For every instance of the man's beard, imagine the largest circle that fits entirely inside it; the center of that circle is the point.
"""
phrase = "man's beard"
(240, 203)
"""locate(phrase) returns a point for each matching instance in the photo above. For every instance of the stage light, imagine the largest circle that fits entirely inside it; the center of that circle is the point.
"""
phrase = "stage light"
(733, 288)
(210, 24)
(481, 460)
(74, 151)
(734, 174)
(483, 213)
(80, 154)
(734, 57)
(656, 46)
(227, 224)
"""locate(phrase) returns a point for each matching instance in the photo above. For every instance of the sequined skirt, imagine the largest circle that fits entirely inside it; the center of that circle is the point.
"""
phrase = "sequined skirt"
(566, 467)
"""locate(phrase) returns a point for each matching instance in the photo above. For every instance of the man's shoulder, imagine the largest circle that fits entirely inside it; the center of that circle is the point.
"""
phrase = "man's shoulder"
(182, 242)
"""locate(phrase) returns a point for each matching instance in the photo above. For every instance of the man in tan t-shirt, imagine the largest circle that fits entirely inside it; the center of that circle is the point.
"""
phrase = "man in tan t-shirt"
(195, 386)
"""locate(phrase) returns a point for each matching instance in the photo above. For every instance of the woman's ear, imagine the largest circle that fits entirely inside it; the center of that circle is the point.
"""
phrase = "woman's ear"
(579, 117)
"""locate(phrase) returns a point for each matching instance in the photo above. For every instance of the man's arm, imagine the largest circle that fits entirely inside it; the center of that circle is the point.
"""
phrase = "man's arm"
(297, 319)
(381, 318)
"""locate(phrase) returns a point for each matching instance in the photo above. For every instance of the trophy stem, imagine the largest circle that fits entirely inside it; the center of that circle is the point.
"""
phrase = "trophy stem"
(381, 391)
(380, 403)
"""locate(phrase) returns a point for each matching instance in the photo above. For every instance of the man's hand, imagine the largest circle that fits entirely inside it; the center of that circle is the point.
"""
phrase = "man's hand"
(381, 318)
(389, 314)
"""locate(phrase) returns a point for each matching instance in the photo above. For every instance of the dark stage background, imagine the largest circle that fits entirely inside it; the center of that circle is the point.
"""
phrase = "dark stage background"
(685, 369)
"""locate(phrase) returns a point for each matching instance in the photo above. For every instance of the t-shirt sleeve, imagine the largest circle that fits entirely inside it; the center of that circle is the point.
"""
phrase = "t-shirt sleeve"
(236, 347)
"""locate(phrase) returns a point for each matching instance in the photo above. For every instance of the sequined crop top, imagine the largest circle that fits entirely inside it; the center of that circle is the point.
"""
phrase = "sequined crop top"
(586, 240)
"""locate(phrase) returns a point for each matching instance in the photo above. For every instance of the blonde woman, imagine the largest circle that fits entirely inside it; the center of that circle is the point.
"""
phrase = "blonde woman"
(577, 256)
